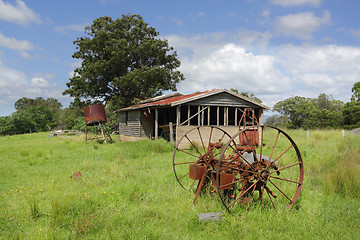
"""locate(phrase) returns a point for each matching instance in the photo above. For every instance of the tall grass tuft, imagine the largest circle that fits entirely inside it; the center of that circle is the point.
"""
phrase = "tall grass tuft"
(342, 175)
(33, 201)
(59, 212)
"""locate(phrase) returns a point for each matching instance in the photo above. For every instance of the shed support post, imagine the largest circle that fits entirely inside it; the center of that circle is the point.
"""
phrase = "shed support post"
(119, 129)
(236, 111)
(261, 117)
(199, 115)
(226, 116)
(208, 113)
(217, 116)
(188, 115)
(171, 134)
(178, 116)
(202, 115)
(156, 123)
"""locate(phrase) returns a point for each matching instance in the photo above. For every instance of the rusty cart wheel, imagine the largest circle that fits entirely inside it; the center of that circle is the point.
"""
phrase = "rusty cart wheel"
(268, 175)
(196, 155)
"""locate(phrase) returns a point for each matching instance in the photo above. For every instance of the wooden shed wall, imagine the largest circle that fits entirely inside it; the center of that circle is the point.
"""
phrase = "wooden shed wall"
(147, 123)
(129, 123)
(223, 99)
(136, 123)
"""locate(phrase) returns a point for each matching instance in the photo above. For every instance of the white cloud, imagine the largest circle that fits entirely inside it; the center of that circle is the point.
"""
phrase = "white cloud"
(209, 62)
(14, 85)
(19, 13)
(10, 79)
(14, 44)
(326, 69)
(72, 27)
(301, 25)
(232, 67)
(21, 45)
(39, 82)
(291, 3)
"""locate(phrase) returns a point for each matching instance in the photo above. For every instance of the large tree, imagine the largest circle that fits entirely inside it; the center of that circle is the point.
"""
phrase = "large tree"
(352, 109)
(122, 61)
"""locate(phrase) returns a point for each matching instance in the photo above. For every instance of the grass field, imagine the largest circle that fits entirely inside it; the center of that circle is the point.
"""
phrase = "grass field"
(128, 191)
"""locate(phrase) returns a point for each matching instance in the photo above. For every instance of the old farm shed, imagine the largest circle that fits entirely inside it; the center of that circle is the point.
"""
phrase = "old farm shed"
(151, 118)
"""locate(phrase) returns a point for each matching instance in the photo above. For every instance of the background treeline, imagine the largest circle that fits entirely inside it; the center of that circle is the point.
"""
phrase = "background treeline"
(40, 115)
(323, 112)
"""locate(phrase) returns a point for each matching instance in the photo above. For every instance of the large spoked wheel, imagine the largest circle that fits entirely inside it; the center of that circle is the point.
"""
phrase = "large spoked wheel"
(196, 157)
(267, 175)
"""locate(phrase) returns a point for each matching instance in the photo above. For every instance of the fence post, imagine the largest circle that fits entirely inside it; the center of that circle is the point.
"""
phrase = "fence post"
(307, 134)
(343, 133)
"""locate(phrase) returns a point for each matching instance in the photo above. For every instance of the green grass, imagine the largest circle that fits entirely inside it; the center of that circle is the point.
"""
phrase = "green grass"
(128, 191)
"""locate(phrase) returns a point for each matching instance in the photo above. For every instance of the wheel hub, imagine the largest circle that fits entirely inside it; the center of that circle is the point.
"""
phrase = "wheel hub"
(263, 175)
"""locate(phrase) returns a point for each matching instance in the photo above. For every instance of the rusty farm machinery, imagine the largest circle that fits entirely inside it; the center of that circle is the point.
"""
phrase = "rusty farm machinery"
(258, 166)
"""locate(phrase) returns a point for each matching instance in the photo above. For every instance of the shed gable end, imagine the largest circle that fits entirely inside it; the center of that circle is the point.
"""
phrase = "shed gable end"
(223, 99)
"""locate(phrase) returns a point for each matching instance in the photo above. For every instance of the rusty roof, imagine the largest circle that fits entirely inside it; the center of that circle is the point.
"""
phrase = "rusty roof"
(179, 98)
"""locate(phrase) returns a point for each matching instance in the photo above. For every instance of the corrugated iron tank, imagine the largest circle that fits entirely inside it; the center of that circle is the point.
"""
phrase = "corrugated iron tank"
(94, 114)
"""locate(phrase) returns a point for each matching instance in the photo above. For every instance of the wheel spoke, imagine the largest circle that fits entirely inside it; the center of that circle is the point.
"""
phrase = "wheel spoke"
(211, 131)
(268, 192)
(183, 176)
(222, 137)
(242, 194)
(202, 142)
(285, 167)
(193, 144)
(280, 190)
(287, 180)
(262, 197)
(273, 148)
(261, 143)
(282, 154)
(183, 163)
(188, 153)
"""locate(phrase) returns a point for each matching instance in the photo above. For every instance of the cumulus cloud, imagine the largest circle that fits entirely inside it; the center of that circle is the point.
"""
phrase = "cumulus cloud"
(272, 75)
(14, 85)
(18, 13)
(301, 25)
(327, 69)
(14, 44)
(10, 79)
(292, 3)
(232, 67)
(39, 82)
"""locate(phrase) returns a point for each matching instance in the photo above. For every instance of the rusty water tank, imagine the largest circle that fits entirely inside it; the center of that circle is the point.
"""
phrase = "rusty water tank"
(94, 114)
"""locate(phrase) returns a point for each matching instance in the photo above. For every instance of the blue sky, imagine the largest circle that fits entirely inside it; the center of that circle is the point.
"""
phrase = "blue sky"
(272, 48)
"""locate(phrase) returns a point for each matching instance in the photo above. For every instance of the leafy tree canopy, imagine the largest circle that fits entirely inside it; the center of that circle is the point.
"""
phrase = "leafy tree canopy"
(123, 60)
(352, 109)
(321, 112)
(246, 94)
(356, 92)
(51, 103)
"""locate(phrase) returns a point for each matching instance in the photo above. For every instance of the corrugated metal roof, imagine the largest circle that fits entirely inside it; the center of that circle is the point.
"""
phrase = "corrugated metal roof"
(176, 100)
